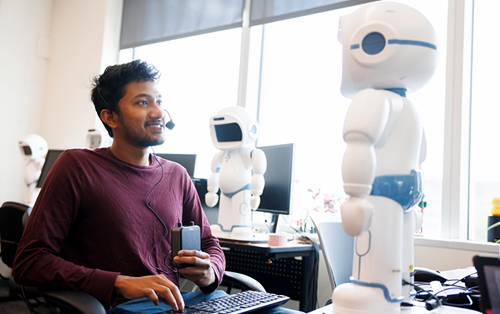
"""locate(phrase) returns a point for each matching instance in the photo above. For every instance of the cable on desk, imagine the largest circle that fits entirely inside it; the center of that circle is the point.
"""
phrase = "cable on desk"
(431, 302)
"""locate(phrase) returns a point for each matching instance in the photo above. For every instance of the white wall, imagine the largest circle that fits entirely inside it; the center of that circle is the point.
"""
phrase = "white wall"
(24, 29)
(450, 254)
(77, 43)
(50, 50)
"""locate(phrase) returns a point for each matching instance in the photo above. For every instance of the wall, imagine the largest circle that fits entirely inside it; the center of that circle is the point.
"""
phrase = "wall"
(24, 32)
(51, 49)
(77, 44)
(450, 254)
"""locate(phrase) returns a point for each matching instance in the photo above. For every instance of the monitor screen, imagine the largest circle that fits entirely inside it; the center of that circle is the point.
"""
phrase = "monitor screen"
(188, 161)
(277, 195)
(50, 159)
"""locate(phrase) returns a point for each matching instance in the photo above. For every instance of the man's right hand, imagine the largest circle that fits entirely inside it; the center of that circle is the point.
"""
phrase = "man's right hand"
(155, 287)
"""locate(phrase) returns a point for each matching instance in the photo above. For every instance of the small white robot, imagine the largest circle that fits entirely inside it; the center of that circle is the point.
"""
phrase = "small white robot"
(389, 49)
(94, 139)
(238, 170)
(33, 149)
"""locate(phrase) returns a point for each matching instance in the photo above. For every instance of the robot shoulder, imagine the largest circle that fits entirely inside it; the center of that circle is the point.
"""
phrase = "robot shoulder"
(371, 112)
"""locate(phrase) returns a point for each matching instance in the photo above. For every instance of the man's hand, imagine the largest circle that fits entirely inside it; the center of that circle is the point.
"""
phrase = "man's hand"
(202, 272)
(155, 287)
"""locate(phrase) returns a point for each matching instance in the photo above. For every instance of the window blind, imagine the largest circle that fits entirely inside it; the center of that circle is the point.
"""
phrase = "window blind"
(151, 21)
(267, 11)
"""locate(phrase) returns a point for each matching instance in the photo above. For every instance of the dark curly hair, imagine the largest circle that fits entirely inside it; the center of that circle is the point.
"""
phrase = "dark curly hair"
(109, 87)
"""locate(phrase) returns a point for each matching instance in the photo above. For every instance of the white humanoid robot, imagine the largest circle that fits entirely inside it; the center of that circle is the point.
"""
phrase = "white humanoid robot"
(238, 169)
(388, 49)
(33, 149)
(93, 139)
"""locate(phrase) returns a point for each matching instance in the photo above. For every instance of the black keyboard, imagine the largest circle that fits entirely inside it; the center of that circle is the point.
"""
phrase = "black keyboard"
(242, 302)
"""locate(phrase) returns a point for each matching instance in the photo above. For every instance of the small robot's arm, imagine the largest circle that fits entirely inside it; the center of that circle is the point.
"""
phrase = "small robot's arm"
(366, 122)
(211, 198)
(259, 164)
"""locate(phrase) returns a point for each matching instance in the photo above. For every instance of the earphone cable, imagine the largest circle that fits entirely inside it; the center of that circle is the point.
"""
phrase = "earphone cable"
(161, 221)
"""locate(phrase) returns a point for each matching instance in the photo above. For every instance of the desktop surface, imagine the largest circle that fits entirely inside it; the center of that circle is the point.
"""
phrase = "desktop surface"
(417, 308)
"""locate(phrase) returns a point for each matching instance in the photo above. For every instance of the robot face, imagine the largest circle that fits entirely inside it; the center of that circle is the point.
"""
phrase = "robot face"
(33, 146)
(233, 127)
(386, 45)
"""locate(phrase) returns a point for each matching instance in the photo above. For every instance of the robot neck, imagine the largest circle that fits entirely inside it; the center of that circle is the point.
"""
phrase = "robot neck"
(400, 91)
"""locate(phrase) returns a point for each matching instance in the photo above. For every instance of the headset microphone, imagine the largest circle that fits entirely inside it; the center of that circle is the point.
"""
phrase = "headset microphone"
(170, 124)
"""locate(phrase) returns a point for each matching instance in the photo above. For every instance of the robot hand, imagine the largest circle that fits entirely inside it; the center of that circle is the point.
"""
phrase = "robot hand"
(356, 215)
(211, 199)
(254, 202)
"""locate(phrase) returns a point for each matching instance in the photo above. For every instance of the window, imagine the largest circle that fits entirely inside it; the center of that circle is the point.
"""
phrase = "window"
(484, 151)
(300, 102)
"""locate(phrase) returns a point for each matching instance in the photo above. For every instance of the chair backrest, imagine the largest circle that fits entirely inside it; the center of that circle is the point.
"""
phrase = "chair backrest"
(11, 229)
(338, 249)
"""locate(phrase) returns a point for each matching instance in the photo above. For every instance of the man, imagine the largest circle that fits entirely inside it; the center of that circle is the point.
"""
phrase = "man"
(102, 221)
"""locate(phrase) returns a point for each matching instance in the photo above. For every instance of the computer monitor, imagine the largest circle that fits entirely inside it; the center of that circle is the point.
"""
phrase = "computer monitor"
(188, 161)
(277, 195)
(50, 159)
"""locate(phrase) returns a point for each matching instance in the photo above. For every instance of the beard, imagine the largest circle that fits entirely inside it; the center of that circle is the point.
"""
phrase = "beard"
(142, 140)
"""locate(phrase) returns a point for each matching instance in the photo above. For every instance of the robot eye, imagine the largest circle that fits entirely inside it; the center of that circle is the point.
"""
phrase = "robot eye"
(373, 43)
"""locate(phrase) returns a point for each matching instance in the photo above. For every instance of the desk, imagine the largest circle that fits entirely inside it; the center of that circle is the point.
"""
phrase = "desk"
(417, 309)
(290, 270)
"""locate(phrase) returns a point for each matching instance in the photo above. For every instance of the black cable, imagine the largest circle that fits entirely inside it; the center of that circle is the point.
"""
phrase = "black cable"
(431, 302)
(28, 303)
(161, 221)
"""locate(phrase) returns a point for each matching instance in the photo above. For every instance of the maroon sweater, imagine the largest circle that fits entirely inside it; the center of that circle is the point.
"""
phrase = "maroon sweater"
(90, 223)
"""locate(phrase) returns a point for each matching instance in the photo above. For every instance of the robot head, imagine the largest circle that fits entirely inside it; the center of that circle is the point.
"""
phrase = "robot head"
(94, 139)
(385, 46)
(33, 146)
(233, 127)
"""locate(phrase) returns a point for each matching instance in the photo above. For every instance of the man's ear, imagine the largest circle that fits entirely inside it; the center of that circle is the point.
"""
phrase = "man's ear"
(110, 118)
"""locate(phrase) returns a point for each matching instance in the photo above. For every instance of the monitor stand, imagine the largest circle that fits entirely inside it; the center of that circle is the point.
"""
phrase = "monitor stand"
(273, 226)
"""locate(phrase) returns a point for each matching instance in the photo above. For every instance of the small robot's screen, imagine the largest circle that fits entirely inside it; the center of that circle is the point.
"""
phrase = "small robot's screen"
(27, 150)
(230, 132)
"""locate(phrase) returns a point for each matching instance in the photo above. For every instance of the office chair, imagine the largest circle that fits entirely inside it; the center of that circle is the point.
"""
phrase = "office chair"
(13, 217)
(338, 250)
(11, 230)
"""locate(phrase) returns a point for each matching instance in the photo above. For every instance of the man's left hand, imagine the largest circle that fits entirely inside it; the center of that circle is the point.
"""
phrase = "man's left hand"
(201, 273)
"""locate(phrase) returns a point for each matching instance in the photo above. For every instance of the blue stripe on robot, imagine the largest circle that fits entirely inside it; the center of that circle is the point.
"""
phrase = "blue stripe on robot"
(403, 189)
(246, 187)
(403, 42)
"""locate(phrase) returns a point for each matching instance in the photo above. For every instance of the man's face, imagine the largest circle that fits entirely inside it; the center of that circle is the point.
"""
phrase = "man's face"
(141, 115)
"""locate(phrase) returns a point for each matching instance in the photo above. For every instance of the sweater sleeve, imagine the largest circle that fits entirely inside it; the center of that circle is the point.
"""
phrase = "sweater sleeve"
(38, 259)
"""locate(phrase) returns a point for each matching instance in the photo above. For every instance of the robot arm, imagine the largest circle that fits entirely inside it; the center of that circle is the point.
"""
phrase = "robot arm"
(211, 198)
(364, 126)
(259, 163)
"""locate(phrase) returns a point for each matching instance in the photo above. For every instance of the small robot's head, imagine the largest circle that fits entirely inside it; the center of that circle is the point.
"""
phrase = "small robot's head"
(233, 127)
(33, 146)
(386, 46)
